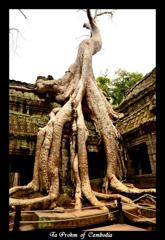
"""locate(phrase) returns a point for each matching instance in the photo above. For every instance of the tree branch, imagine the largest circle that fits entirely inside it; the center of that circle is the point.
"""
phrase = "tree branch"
(22, 13)
(103, 13)
(95, 13)
(90, 18)
(15, 29)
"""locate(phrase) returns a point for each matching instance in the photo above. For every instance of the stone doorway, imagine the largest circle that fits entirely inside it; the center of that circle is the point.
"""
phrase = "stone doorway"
(139, 163)
(96, 164)
(20, 169)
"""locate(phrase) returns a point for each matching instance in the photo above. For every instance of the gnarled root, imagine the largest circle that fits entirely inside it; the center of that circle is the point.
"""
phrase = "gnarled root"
(116, 185)
(23, 189)
(113, 197)
(74, 160)
(83, 164)
(44, 202)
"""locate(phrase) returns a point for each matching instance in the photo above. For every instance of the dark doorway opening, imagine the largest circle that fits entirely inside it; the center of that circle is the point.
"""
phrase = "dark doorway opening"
(96, 164)
(24, 165)
(139, 160)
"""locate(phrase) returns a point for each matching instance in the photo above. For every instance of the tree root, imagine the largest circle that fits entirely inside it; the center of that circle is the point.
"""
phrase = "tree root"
(113, 197)
(118, 186)
(22, 189)
(44, 202)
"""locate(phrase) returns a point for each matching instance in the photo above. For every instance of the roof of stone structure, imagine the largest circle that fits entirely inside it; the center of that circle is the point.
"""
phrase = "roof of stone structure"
(27, 112)
(140, 88)
(13, 82)
(138, 104)
(135, 120)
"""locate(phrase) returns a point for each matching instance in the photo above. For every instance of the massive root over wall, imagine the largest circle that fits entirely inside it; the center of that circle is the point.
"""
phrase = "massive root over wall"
(74, 90)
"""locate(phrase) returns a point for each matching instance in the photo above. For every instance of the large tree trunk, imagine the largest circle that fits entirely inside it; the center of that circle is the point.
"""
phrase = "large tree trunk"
(76, 85)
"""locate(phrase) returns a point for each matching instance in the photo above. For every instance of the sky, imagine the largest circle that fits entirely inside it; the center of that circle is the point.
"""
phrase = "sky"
(48, 41)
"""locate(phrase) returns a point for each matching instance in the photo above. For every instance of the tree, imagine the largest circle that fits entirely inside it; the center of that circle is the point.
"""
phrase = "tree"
(122, 83)
(116, 89)
(104, 83)
(78, 92)
(15, 33)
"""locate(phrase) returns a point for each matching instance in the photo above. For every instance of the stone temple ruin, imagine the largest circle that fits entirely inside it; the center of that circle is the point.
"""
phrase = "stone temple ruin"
(138, 129)
(28, 111)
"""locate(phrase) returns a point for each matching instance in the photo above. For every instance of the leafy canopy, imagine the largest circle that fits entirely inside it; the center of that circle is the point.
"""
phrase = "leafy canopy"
(116, 89)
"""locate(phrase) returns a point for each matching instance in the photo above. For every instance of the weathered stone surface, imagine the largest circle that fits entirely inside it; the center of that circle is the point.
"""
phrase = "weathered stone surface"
(138, 126)
(73, 219)
(137, 104)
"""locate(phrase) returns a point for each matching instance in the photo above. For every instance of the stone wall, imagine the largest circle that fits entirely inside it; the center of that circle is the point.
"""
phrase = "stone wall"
(138, 126)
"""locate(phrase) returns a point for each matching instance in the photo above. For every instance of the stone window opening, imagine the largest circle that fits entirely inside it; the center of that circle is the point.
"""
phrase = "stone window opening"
(24, 108)
(17, 107)
(96, 164)
(139, 160)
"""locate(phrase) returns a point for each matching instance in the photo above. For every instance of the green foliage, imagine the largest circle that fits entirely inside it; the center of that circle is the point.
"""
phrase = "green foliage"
(122, 83)
(104, 83)
(117, 88)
